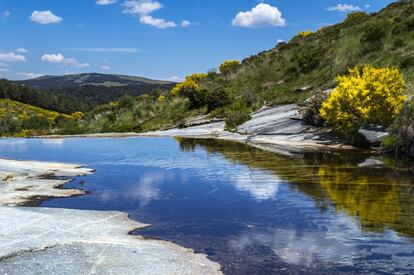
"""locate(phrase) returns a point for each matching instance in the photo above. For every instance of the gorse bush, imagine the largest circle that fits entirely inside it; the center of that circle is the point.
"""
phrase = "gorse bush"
(367, 95)
(229, 66)
(189, 85)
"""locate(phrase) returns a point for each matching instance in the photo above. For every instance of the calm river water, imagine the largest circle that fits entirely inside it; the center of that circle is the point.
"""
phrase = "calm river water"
(253, 212)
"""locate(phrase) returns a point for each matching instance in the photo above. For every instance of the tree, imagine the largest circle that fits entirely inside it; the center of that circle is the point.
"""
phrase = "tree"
(367, 95)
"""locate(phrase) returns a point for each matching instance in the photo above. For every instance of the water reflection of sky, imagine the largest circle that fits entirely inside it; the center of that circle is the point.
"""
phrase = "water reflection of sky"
(248, 218)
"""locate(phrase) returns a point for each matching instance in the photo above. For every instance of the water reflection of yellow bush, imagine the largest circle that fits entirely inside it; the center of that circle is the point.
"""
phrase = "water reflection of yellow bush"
(374, 199)
(379, 198)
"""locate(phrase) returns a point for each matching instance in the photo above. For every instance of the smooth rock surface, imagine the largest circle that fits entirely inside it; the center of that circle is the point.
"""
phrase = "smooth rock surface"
(279, 129)
(61, 241)
(23, 181)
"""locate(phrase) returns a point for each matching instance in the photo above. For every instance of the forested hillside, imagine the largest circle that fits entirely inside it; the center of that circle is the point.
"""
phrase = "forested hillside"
(95, 89)
(41, 98)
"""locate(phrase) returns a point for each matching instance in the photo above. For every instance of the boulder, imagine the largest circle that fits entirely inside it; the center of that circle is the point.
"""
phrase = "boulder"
(373, 134)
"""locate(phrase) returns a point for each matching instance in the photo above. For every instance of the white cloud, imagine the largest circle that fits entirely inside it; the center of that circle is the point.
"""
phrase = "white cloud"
(45, 17)
(112, 50)
(280, 41)
(105, 67)
(344, 8)
(5, 13)
(185, 23)
(143, 9)
(28, 75)
(60, 59)
(174, 79)
(157, 22)
(263, 15)
(21, 50)
(105, 2)
(12, 57)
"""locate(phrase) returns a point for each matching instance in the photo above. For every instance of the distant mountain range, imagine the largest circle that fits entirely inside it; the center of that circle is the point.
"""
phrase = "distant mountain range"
(94, 79)
(92, 89)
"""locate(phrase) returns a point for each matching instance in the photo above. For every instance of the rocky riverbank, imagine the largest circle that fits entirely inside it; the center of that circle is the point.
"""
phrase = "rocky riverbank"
(279, 129)
(51, 241)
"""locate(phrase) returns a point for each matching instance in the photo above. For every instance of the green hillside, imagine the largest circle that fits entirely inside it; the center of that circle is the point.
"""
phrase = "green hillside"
(290, 72)
(94, 89)
(293, 71)
(18, 119)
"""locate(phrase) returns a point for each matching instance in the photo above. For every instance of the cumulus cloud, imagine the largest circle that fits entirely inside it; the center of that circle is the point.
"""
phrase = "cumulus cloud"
(344, 8)
(105, 67)
(185, 24)
(105, 2)
(60, 59)
(12, 57)
(45, 17)
(263, 15)
(143, 9)
(157, 22)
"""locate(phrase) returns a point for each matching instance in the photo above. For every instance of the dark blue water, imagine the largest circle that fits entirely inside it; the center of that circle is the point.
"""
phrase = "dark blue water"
(251, 211)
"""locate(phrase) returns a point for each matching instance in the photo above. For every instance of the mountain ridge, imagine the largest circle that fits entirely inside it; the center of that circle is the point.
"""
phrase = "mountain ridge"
(94, 79)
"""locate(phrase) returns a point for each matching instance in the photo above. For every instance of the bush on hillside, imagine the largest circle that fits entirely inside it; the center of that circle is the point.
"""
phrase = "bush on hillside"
(237, 114)
(189, 85)
(216, 99)
(402, 131)
(356, 18)
(367, 95)
(229, 66)
(373, 38)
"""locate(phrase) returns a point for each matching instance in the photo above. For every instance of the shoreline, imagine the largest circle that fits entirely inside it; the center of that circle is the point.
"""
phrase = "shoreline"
(48, 240)
(278, 129)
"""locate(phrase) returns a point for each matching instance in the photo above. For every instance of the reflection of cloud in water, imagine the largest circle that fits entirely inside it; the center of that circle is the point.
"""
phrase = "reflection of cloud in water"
(18, 145)
(53, 142)
(259, 185)
(145, 191)
(337, 243)
(294, 248)
(211, 167)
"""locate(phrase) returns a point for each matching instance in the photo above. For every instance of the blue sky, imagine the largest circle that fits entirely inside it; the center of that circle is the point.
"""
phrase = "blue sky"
(163, 39)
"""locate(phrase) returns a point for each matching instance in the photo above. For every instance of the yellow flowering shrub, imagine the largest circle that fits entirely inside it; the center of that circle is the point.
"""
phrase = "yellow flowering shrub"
(367, 95)
(229, 66)
(161, 98)
(190, 84)
(305, 33)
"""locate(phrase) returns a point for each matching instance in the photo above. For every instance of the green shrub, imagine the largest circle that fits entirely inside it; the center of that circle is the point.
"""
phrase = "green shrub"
(216, 99)
(356, 18)
(36, 122)
(373, 38)
(237, 114)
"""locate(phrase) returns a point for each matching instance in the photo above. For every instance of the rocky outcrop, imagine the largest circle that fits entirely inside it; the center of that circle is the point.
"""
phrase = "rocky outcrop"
(62, 241)
(280, 129)
(373, 134)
